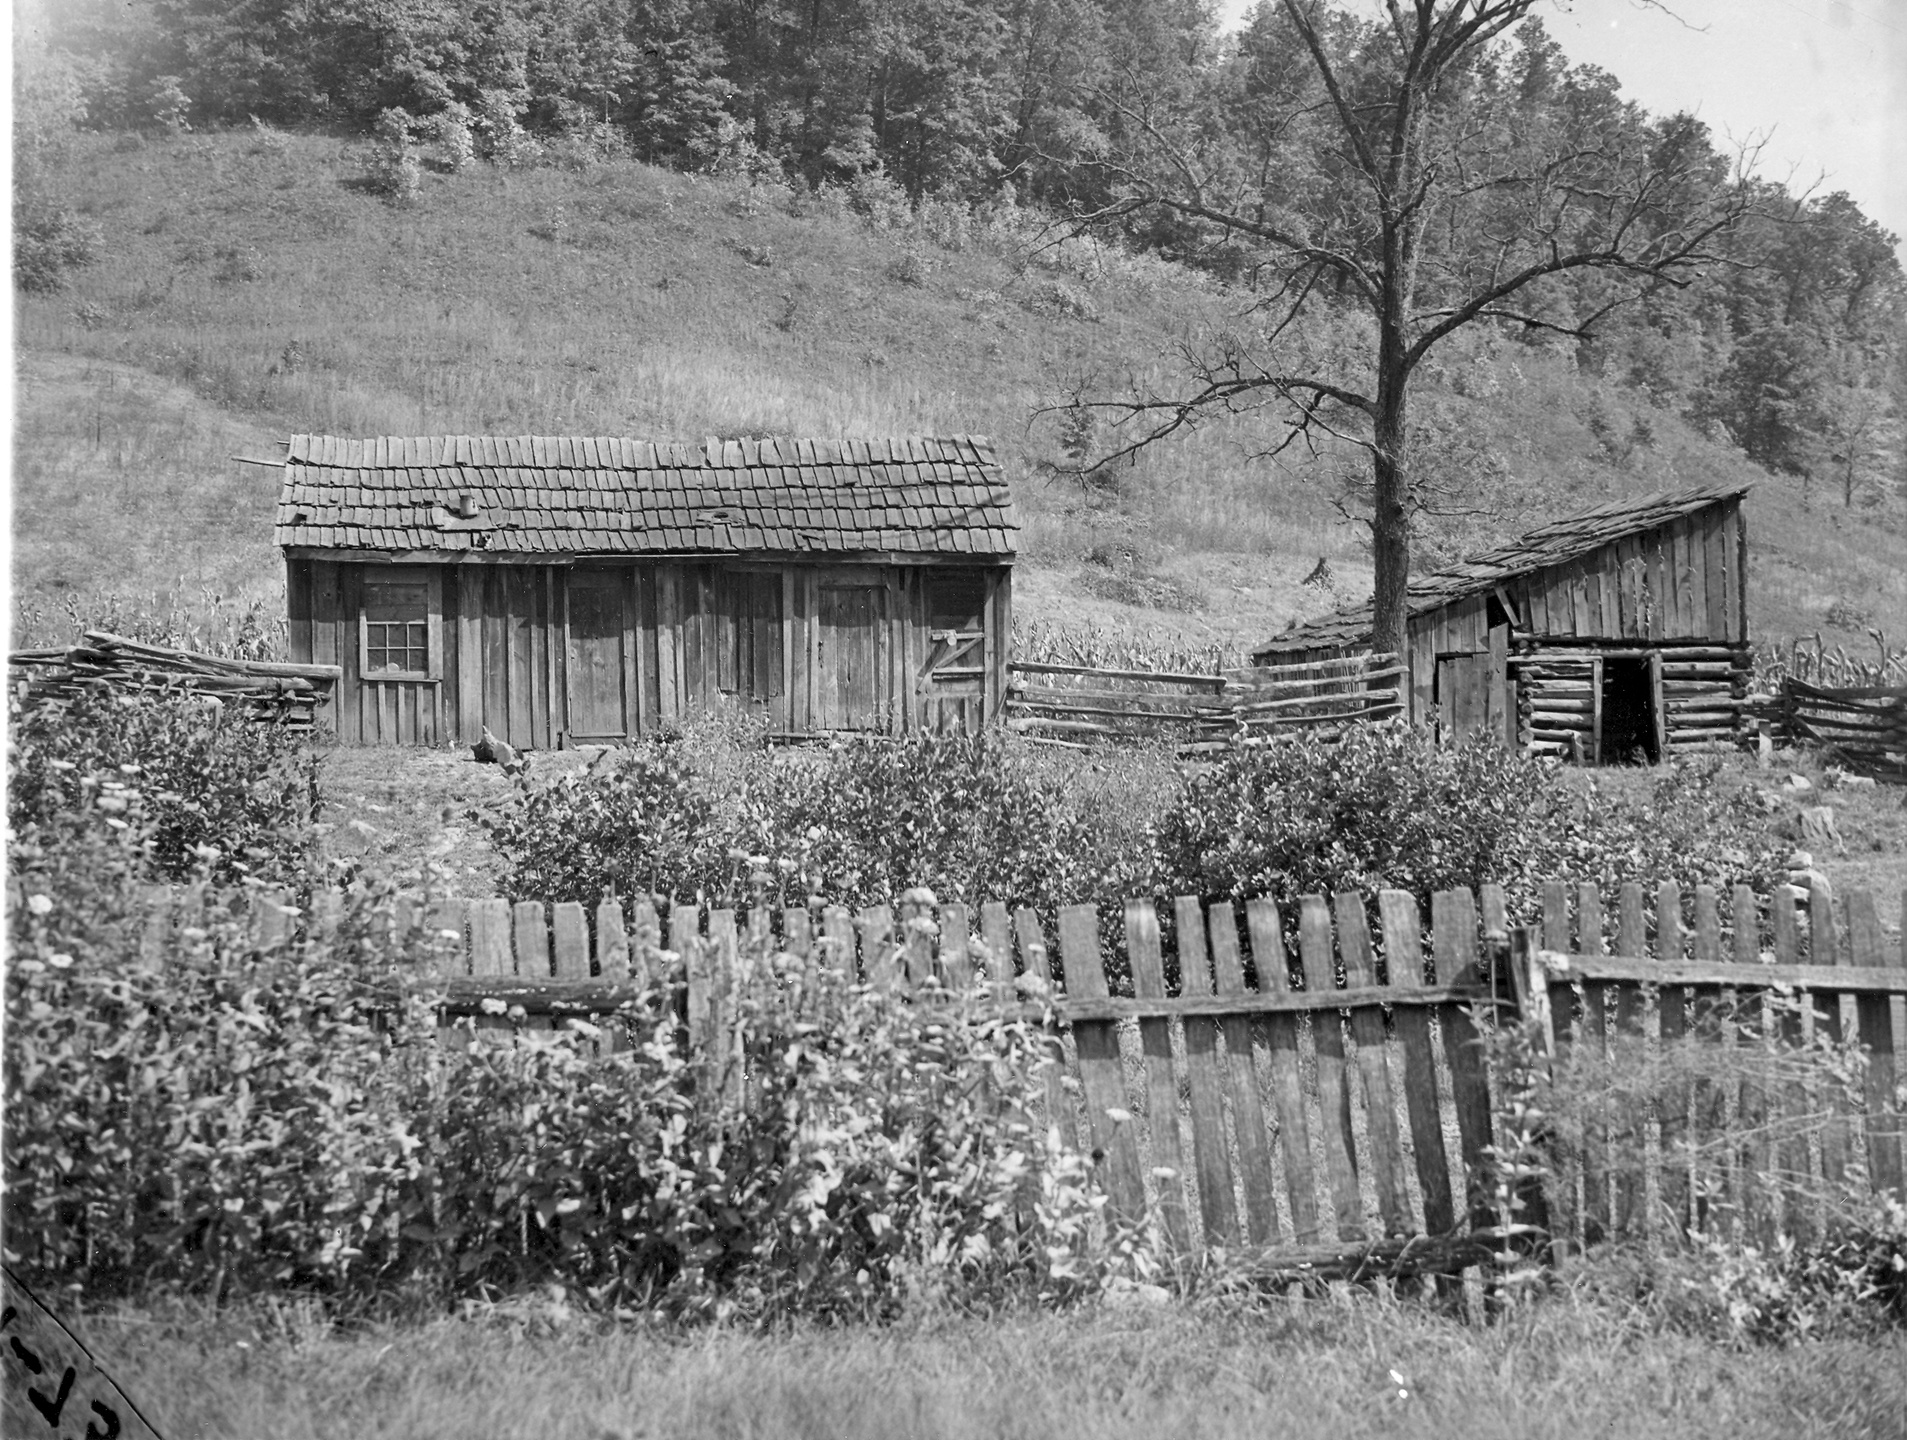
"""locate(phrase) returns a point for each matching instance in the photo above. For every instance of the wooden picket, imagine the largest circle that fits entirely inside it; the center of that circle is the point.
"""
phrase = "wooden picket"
(1331, 1115)
(1797, 1146)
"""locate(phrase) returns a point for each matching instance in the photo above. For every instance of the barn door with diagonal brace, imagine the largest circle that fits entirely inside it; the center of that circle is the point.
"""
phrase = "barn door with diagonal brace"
(950, 689)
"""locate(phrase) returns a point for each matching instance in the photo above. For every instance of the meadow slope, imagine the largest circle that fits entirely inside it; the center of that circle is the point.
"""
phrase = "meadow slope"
(250, 288)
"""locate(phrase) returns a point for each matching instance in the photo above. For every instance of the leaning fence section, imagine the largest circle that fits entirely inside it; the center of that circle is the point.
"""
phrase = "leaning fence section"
(1311, 1084)
(1077, 704)
(1703, 1070)
(1863, 726)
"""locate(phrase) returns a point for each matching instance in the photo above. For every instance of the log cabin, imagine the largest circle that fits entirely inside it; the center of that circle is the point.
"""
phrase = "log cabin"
(1618, 634)
(567, 591)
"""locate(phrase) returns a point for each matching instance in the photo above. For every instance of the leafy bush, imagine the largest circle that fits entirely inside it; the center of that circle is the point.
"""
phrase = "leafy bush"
(49, 240)
(234, 1121)
(709, 812)
(150, 788)
(1689, 828)
(1381, 807)
(1386, 807)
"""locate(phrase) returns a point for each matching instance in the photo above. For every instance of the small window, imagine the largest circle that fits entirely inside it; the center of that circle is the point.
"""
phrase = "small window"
(398, 625)
(957, 600)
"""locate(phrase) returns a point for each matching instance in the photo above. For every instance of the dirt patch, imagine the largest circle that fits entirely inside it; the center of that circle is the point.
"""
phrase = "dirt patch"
(397, 811)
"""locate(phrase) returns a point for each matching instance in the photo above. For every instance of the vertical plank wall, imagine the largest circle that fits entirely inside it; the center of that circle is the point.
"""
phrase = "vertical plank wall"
(505, 648)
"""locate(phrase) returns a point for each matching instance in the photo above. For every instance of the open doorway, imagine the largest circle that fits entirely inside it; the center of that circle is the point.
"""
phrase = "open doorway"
(1629, 731)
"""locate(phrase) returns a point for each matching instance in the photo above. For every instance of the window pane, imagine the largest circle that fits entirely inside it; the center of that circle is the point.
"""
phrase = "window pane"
(397, 626)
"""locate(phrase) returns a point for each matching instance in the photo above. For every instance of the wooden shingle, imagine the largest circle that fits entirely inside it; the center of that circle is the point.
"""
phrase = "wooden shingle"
(614, 496)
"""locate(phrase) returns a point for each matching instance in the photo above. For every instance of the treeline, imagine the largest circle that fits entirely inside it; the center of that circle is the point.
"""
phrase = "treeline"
(1793, 350)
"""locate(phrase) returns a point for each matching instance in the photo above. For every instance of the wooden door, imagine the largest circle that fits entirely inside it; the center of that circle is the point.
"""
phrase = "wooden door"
(851, 655)
(953, 673)
(598, 633)
(750, 664)
(1463, 683)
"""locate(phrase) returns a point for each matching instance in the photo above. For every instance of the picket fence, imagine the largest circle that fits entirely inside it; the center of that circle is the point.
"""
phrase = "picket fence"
(1332, 1114)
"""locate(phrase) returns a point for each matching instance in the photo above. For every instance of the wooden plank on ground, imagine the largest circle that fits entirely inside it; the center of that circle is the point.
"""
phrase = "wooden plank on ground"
(1285, 1073)
(1101, 1073)
(1248, 1112)
(1205, 1079)
(1334, 1093)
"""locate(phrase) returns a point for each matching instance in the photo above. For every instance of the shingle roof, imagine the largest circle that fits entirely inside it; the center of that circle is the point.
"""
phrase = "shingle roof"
(607, 496)
(1554, 544)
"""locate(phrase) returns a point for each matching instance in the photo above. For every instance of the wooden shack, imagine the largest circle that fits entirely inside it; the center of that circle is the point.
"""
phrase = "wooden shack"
(1617, 634)
(562, 591)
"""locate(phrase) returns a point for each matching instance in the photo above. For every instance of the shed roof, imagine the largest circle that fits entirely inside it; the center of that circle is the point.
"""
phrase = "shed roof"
(610, 496)
(1556, 543)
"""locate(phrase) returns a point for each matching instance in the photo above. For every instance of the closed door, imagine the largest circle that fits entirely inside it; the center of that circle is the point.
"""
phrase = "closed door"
(598, 704)
(852, 655)
(1463, 689)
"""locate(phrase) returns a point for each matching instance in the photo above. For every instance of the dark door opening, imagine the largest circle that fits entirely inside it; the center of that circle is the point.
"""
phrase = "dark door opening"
(1628, 711)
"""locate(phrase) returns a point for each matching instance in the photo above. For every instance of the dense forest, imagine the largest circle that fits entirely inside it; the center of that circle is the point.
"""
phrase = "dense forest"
(1789, 344)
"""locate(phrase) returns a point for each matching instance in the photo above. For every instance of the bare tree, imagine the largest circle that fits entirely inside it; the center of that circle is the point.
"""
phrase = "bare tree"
(1386, 184)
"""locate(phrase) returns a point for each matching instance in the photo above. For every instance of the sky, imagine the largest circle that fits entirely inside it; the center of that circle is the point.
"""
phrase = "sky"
(1823, 83)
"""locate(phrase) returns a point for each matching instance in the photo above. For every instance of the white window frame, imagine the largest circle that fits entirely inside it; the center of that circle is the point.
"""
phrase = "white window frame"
(433, 617)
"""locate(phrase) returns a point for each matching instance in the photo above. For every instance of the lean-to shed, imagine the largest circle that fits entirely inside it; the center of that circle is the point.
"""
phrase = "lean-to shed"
(1615, 634)
(569, 590)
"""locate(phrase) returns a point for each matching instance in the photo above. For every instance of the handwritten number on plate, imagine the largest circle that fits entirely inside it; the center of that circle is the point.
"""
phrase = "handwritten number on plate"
(27, 1357)
(110, 1416)
(51, 1408)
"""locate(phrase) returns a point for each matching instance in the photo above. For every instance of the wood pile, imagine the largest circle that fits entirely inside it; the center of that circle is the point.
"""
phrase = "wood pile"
(1079, 704)
(271, 691)
(1866, 725)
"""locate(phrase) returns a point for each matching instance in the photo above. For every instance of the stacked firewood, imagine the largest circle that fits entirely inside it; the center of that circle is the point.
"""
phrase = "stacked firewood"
(279, 693)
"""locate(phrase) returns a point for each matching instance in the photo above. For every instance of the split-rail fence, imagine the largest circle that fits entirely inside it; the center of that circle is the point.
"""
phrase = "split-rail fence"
(1311, 1086)
(1080, 704)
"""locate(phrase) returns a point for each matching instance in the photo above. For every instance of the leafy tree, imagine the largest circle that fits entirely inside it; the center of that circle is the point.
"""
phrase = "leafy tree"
(1398, 181)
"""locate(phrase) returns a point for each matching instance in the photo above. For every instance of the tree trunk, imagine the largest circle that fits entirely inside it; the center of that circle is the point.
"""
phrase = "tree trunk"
(1390, 530)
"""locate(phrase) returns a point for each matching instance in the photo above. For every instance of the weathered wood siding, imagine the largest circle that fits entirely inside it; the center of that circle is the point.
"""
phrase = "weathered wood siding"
(1681, 582)
(599, 650)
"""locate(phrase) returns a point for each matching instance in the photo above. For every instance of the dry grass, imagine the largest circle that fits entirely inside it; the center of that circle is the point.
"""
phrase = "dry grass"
(1348, 1367)
(247, 291)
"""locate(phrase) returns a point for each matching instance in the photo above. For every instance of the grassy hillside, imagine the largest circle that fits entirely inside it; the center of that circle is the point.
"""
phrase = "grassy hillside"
(249, 288)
